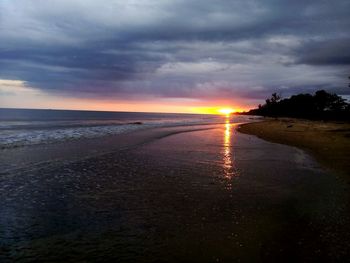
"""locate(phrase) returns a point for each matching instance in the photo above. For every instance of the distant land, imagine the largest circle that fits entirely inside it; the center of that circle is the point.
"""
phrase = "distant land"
(319, 106)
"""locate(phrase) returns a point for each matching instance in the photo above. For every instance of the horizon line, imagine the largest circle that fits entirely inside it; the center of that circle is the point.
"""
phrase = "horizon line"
(55, 109)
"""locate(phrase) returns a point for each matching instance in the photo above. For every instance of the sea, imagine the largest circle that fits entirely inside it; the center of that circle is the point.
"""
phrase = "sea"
(25, 127)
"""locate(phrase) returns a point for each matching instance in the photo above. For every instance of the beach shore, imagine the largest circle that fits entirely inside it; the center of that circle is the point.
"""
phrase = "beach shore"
(328, 142)
(202, 193)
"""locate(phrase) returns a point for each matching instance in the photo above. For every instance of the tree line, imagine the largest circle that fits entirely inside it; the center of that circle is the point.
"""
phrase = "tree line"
(321, 105)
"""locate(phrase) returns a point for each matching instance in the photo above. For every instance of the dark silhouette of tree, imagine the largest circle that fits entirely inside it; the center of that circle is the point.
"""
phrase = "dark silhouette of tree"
(325, 101)
(274, 99)
(321, 105)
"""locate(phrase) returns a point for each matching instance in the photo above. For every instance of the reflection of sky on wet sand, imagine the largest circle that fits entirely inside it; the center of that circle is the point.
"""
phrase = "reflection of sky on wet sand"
(228, 165)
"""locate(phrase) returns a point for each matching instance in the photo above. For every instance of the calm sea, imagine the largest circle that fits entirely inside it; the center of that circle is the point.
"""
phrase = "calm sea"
(23, 127)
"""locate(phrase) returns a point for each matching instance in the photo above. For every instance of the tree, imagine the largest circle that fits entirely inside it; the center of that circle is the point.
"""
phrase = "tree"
(322, 99)
(321, 105)
(274, 99)
(325, 101)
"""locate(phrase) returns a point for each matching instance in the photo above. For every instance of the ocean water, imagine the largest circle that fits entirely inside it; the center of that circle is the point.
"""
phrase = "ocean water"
(24, 127)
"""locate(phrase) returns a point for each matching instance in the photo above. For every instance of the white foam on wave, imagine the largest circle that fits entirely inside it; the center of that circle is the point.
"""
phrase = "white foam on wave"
(16, 134)
(16, 138)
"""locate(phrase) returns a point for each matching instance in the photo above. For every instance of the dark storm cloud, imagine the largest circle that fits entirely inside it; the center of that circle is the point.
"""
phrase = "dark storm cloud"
(197, 49)
(325, 52)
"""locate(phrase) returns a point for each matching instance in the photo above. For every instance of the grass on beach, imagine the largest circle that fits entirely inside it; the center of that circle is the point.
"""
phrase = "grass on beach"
(329, 142)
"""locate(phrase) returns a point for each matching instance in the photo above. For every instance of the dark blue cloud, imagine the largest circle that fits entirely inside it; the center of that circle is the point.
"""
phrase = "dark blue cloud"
(196, 49)
(325, 52)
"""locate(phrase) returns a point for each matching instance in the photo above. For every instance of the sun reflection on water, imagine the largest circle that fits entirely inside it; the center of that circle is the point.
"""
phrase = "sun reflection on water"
(228, 165)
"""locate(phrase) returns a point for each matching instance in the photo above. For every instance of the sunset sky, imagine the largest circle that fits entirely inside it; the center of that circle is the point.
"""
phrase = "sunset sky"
(169, 56)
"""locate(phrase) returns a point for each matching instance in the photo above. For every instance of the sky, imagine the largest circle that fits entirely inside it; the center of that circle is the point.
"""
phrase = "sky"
(170, 55)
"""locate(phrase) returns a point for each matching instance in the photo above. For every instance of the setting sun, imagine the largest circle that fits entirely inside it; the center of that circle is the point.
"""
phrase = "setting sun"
(226, 111)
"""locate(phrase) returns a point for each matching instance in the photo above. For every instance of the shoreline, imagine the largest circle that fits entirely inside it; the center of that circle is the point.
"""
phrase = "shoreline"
(167, 189)
(328, 142)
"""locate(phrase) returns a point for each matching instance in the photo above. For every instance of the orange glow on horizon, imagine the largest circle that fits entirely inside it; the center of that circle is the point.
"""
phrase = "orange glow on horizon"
(217, 110)
(30, 98)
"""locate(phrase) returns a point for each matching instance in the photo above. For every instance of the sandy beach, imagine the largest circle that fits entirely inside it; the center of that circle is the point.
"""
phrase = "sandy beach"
(329, 142)
(194, 194)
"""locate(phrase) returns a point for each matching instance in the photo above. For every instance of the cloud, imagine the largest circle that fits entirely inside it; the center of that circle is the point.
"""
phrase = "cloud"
(175, 49)
(14, 87)
(325, 52)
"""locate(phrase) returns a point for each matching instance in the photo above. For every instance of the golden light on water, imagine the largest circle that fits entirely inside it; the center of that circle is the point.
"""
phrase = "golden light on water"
(227, 154)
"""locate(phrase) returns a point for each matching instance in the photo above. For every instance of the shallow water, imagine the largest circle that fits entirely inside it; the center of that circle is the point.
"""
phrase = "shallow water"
(200, 196)
(23, 127)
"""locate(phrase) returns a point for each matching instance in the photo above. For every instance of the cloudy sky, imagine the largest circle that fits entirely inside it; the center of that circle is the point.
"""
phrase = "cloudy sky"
(169, 55)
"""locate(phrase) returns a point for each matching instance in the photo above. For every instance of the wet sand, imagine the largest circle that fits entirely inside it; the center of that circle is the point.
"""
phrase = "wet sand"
(206, 195)
(329, 142)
